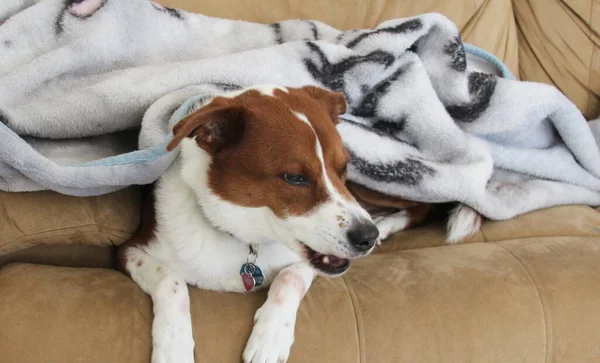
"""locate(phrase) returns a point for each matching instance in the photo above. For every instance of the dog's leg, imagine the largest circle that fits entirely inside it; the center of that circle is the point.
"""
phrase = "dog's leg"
(274, 322)
(172, 325)
(401, 220)
(391, 224)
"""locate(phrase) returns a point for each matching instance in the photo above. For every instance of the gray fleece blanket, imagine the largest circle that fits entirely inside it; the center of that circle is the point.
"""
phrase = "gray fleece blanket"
(422, 122)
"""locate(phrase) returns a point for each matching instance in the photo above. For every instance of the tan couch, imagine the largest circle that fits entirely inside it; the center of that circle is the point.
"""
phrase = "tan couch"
(525, 290)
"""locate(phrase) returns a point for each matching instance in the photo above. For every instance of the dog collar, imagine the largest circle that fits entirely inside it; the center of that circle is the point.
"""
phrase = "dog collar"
(252, 275)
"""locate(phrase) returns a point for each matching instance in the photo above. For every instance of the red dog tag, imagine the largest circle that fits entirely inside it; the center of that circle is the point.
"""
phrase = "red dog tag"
(248, 281)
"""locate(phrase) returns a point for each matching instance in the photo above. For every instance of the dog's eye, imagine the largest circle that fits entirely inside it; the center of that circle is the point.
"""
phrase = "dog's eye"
(343, 170)
(295, 179)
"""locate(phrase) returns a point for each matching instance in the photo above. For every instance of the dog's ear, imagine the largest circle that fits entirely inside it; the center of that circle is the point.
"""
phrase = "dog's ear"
(335, 102)
(215, 127)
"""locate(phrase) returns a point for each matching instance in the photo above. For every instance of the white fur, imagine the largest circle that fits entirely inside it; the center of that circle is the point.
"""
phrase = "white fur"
(464, 221)
(202, 254)
(391, 224)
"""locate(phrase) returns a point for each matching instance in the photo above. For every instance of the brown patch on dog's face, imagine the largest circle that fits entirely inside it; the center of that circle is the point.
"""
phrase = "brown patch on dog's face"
(276, 143)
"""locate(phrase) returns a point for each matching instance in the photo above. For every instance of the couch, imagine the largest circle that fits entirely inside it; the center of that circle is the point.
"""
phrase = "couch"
(522, 290)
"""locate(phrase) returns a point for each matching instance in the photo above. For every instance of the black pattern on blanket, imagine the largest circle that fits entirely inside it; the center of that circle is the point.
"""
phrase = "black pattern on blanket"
(420, 124)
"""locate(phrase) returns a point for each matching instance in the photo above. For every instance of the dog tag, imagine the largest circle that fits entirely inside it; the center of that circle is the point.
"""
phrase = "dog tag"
(248, 281)
(252, 276)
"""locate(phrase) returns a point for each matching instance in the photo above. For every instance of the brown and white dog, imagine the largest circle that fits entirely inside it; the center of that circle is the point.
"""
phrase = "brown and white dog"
(256, 197)
(260, 181)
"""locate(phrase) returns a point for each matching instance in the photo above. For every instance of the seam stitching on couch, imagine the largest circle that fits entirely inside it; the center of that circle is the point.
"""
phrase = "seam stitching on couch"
(357, 319)
(534, 281)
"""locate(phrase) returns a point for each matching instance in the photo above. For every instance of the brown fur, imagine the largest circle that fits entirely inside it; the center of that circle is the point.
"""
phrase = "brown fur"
(372, 198)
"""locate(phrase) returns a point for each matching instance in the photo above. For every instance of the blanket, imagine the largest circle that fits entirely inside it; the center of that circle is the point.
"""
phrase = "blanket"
(76, 75)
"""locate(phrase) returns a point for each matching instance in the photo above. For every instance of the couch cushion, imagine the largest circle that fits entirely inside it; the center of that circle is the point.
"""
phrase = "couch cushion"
(29, 219)
(488, 24)
(516, 301)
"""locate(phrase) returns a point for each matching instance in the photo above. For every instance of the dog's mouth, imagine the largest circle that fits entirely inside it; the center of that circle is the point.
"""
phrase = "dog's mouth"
(327, 264)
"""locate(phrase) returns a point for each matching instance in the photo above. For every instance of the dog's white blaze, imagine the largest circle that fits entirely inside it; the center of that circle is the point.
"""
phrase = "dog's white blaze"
(333, 193)
(269, 90)
(265, 89)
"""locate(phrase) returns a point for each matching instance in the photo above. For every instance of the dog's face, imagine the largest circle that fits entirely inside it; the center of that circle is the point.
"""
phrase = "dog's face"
(267, 164)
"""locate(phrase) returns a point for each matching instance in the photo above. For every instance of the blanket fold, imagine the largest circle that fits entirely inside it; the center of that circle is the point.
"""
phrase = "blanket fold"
(422, 123)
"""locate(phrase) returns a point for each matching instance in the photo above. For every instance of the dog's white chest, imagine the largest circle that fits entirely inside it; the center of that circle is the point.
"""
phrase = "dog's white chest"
(203, 255)
(215, 264)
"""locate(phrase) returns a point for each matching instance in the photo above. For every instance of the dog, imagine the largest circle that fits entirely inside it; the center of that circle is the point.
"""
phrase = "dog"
(255, 198)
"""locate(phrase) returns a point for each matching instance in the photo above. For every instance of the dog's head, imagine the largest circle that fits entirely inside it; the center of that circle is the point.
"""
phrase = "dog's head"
(267, 163)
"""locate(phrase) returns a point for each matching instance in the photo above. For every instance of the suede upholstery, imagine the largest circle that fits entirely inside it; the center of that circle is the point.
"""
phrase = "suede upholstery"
(523, 290)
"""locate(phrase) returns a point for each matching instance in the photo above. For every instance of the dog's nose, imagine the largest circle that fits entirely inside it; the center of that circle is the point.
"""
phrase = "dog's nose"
(363, 236)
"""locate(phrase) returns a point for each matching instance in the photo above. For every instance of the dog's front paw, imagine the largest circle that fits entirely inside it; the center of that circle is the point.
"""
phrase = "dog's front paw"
(272, 336)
